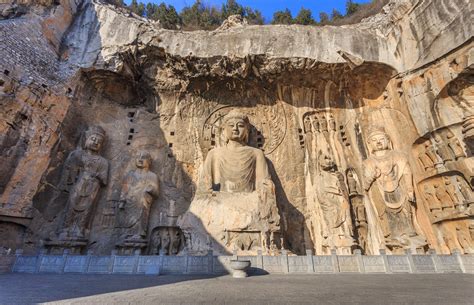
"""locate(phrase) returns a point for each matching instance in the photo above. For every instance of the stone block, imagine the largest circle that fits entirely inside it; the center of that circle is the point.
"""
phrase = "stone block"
(398, 263)
(52, 263)
(222, 264)
(348, 263)
(298, 264)
(25, 263)
(449, 264)
(323, 264)
(6, 263)
(373, 264)
(149, 264)
(423, 264)
(124, 264)
(76, 264)
(174, 264)
(468, 263)
(272, 264)
(100, 264)
(198, 264)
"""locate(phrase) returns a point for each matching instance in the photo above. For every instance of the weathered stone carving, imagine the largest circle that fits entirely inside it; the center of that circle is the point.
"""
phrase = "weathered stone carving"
(86, 171)
(333, 198)
(388, 180)
(140, 187)
(358, 209)
(166, 241)
(237, 193)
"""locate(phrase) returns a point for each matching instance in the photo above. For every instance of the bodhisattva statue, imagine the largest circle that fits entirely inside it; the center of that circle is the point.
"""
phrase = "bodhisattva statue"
(140, 187)
(334, 202)
(389, 182)
(235, 194)
(86, 171)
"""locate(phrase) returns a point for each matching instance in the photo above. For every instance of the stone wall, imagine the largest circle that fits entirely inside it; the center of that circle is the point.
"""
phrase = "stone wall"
(260, 264)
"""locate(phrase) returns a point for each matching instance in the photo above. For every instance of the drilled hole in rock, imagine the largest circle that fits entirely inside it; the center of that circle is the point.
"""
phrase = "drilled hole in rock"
(69, 90)
(213, 142)
(170, 156)
(131, 114)
(44, 86)
(132, 130)
(172, 133)
(170, 144)
(128, 143)
(6, 72)
(130, 137)
(2, 82)
(259, 139)
(300, 130)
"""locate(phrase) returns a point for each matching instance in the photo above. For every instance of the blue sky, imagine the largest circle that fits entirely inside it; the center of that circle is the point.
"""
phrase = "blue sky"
(268, 7)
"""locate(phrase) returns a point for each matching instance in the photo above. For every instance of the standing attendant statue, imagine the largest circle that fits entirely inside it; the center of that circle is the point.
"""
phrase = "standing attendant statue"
(389, 181)
(86, 171)
(140, 187)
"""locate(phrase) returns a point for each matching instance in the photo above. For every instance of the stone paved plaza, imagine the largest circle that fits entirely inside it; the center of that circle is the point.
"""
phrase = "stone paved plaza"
(266, 289)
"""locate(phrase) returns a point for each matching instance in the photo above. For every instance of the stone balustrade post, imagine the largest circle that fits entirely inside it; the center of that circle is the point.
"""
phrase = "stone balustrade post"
(385, 261)
(284, 261)
(309, 260)
(360, 262)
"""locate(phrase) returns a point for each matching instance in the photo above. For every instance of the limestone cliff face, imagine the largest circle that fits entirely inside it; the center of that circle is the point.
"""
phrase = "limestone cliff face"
(305, 90)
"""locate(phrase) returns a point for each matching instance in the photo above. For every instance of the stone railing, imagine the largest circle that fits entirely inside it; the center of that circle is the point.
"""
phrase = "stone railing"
(210, 264)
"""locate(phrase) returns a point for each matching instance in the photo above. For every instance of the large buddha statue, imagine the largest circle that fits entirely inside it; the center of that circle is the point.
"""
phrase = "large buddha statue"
(389, 183)
(235, 205)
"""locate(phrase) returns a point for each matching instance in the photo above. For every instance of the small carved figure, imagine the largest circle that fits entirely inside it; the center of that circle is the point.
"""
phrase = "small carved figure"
(352, 183)
(454, 145)
(464, 240)
(155, 243)
(430, 197)
(424, 159)
(463, 189)
(316, 124)
(431, 153)
(86, 171)
(139, 188)
(451, 190)
(307, 124)
(165, 243)
(442, 149)
(388, 176)
(333, 199)
(323, 123)
(332, 122)
(443, 196)
(175, 243)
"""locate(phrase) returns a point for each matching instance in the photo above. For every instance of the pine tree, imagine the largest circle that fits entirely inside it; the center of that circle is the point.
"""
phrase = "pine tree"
(304, 17)
(323, 18)
(351, 7)
(282, 17)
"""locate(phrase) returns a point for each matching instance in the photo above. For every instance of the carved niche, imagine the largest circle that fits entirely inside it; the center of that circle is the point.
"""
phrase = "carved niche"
(450, 202)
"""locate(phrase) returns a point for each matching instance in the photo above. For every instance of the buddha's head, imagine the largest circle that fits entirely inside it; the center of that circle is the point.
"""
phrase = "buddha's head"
(95, 137)
(143, 160)
(236, 127)
(378, 139)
